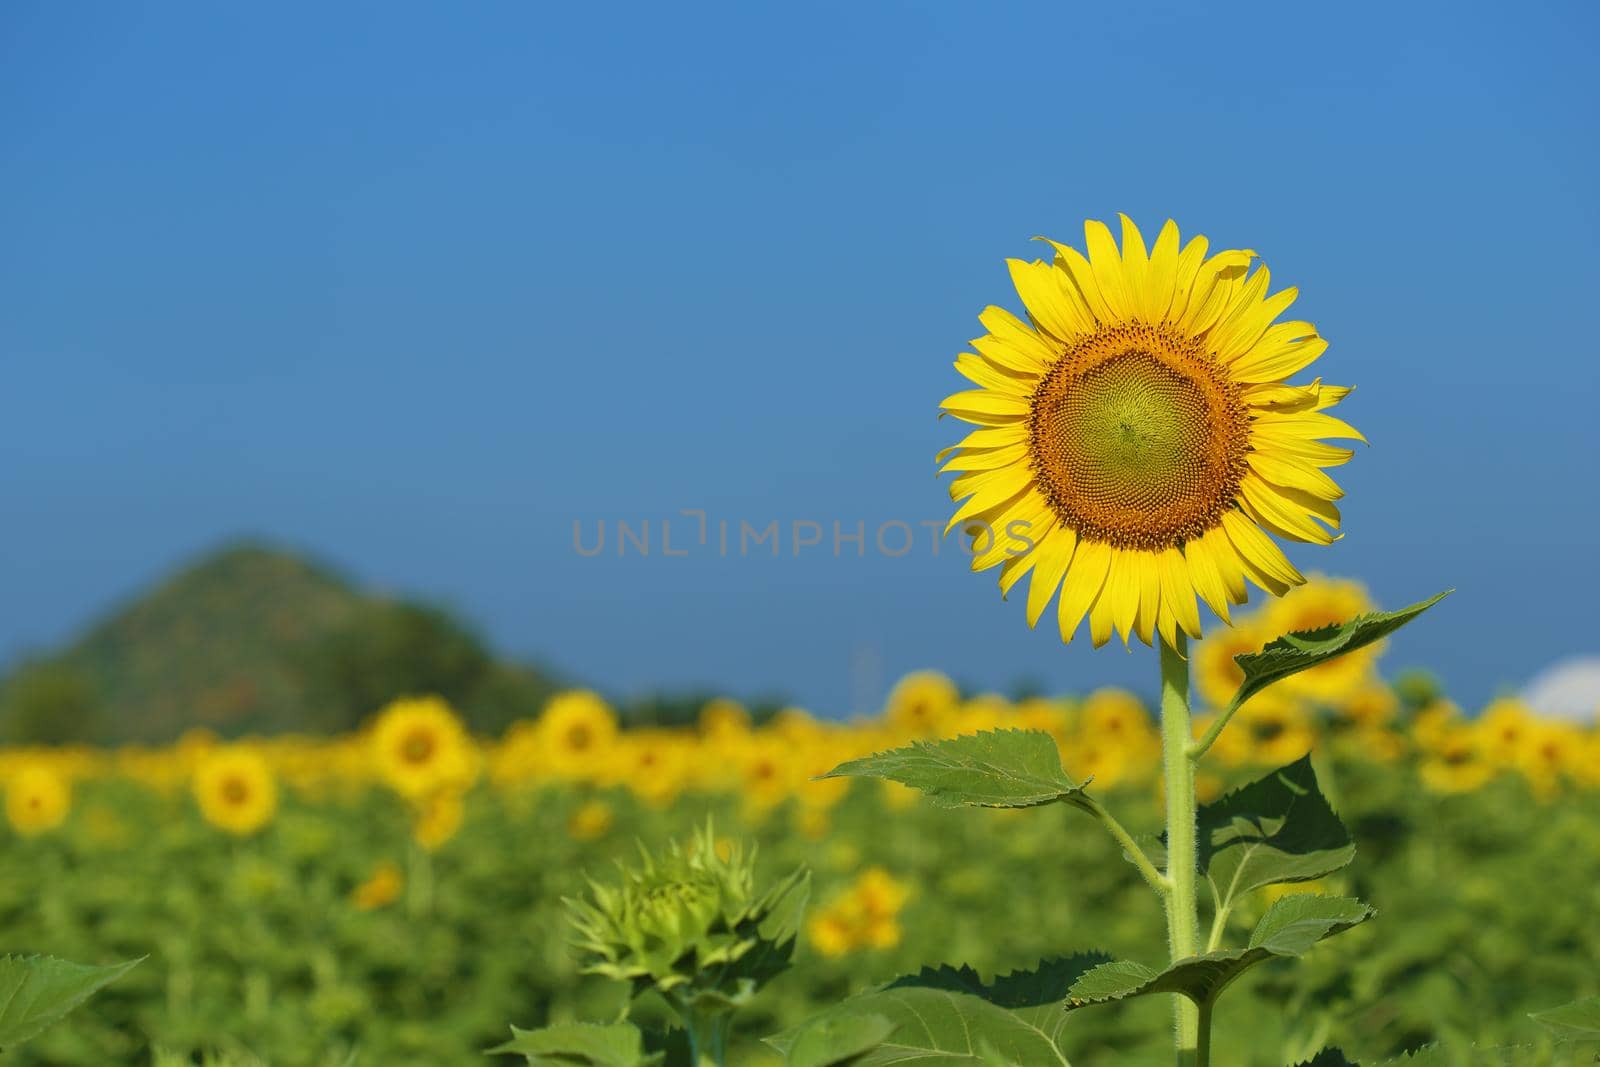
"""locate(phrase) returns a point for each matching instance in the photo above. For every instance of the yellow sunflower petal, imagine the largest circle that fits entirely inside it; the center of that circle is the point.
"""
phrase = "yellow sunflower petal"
(1163, 272)
(1054, 557)
(1107, 264)
(1207, 577)
(1081, 587)
(1177, 592)
(1135, 271)
(1147, 572)
(1261, 558)
(1051, 299)
(1072, 263)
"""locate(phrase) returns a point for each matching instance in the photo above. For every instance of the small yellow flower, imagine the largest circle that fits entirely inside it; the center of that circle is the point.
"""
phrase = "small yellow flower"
(235, 789)
(38, 798)
(880, 893)
(1278, 730)
(654, 764)
(1505, 726)
(592, 820)
(830, 933)
(1458, 762)
(381, 888)
(767, 773)
(1433, 723)
(420, 747)
(1549, 755)
(438, 818)
(721, 716)
(922, 703)
(577, 734)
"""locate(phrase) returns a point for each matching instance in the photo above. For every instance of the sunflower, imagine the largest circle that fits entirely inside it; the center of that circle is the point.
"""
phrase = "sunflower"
(438, 818)
(380, 889)
(577, 733)
(1457, 761)
(1278, 729)
(922, 703)
(38, 798)
(420, 747)
(721, 716)
(592, 820)
(1137, 442)
(235, 790)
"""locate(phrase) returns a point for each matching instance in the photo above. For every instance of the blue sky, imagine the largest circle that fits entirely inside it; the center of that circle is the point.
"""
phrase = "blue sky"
(417, 286)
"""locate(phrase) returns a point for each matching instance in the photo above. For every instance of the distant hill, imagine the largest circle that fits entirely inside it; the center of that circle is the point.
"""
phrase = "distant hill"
(254, 639)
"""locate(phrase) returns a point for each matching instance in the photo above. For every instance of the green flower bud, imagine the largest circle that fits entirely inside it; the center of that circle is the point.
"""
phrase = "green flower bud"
(689, 924)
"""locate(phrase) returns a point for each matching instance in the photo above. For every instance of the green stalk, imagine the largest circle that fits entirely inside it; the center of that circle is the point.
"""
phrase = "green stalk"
(708, 1038)
(1182, 917)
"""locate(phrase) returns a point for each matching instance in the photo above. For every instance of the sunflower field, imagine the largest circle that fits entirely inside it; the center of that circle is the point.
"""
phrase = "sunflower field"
(396, 896)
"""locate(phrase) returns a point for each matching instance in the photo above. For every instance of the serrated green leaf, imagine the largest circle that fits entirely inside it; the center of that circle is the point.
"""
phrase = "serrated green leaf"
(1289, 928)
(1037, 996)
(1277, 829)
(1577, 1021)
(1296, 652)
(992, 769)
(581, 1045)
(1329, 1057)
(951, 1018)
(36, 991)
(1446, 1056)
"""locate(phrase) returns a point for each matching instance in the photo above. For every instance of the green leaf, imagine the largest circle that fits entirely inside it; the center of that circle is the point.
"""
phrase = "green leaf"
(951, 1018)
(992, 769)
(1289, 928)
(1277, 829)
(1578, 1021)
(1329, 1057)
(836, 1042)
(1471, 1056)
(36, 991)
(581, 1045)
(1296, 652)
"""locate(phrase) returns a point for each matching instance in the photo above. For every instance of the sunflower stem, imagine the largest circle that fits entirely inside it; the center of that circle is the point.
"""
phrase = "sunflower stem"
(1199, 748)
(1154, 878)
(708, 1037)
(1182, 866)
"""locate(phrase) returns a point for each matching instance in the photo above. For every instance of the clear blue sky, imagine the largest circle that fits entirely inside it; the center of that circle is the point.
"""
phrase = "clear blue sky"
(415, 286)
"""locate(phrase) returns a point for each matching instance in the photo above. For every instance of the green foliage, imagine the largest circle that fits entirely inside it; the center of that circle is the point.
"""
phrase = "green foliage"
(47, 702)
(838, 1041)
(1289, 928)
(1578, 1021)
(255, 640)
(390, 649)
(991, 769)
(1277, 829)
(1296, 652)
(690, 925)
(36, 991)
(582, 1045)
(1328, 1057)
(216, 645)
(946, 1016)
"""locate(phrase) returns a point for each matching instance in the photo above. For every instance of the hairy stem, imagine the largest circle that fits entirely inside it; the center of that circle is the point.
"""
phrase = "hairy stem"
(1154, 878)
(1182, 916)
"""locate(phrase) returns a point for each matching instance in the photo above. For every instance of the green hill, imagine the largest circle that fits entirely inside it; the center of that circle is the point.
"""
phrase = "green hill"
(252, 639)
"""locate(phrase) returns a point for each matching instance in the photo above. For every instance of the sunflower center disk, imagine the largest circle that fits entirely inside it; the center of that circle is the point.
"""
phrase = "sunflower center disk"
(1139, 437)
